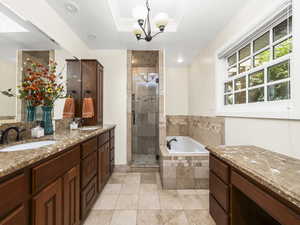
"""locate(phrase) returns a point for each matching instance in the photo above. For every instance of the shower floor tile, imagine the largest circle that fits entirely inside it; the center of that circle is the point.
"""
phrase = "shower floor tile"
(144, 159)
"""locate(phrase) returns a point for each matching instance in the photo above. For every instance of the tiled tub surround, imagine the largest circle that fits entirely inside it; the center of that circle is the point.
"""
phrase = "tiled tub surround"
(13, 161)
(184, 171)
(277, 172)
(190, 171)
(206, 130)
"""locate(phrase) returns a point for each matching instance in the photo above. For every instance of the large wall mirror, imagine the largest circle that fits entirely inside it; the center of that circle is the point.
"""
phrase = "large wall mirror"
(19, 41)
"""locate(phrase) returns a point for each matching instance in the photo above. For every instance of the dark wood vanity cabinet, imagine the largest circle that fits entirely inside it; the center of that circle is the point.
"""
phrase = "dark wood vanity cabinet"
(85, 79)
(14, 200)
(60, 190)
(236, 199)
(112, 149)
(103, 159)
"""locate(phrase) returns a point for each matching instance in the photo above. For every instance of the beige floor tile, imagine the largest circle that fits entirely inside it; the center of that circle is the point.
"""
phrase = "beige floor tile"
(187, 192)
(112, 189)
(117, 178)
(149, 217)
(130, 189)
(174, 217)
(132, 178)
(106, 202)
(170, 201)
(168, 192)
(148, 178)
(99, 217)
(194, 201)
(202, 191)
(199, 217)
(127, 202)
(124, 217)
(148, 188)
(149, 201)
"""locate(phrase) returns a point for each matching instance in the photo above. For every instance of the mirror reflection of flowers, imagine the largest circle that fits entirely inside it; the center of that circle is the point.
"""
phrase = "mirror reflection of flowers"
(41, 85)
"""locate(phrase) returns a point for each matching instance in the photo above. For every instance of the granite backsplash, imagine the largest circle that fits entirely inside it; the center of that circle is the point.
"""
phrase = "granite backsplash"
(60, 125)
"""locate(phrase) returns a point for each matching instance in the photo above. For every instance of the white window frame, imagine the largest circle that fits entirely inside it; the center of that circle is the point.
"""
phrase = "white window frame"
(281, 109)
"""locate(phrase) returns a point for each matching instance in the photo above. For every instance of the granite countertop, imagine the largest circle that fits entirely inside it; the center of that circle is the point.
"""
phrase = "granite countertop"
(278, 172)
(13, 161)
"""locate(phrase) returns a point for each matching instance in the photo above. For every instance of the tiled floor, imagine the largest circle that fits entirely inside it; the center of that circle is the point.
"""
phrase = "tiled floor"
(138, 199)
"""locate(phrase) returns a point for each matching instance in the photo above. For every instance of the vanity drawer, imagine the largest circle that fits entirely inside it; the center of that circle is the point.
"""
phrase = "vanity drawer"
(275, 208)
(217, 213)
(88, 147)
(47, 172)
(12, 193)
(219, 190)
(88, 197)
(17, 217)
(103, 138)
(220, 168)
(88, 168)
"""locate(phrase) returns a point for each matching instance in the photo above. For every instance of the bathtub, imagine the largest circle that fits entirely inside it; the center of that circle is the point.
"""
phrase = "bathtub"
(186, 145)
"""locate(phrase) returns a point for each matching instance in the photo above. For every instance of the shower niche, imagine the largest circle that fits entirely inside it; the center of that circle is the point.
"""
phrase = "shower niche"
(145, 107)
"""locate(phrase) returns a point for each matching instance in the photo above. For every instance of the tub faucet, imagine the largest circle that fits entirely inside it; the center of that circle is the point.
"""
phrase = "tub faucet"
(169, 143)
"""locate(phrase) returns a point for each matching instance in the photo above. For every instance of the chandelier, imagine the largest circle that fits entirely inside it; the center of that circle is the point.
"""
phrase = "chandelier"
(142, 30)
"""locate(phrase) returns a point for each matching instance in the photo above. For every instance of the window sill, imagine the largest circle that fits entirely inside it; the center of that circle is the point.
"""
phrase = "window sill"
(276, 110)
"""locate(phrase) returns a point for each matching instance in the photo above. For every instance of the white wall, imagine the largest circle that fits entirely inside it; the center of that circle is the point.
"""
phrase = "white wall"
(177, 90)
(276, 135)
(8, 79)
(115, 97)
(60, 57)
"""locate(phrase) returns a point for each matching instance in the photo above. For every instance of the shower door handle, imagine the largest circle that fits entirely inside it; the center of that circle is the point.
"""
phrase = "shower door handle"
(133, 117)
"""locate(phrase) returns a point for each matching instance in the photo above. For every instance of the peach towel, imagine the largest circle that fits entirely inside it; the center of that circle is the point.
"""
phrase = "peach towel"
(69, 108)
(88, 108)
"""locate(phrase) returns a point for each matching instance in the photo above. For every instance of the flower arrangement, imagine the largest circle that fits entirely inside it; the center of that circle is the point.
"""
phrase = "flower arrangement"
(41, 85)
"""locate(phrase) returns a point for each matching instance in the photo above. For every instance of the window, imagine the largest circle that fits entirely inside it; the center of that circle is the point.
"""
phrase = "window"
(260, 70)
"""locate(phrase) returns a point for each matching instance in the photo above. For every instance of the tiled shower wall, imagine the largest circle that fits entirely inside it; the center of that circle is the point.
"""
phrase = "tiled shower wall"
(206, 130)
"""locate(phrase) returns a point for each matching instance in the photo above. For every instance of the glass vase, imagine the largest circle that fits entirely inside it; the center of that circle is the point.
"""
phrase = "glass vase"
(31, 113)
(47, 119)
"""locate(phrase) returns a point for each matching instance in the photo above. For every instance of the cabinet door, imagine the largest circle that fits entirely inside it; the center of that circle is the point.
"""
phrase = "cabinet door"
(72, 196)
(47, 205)
(107, 161)
(100, 174)
(17, 217)
(103, 165)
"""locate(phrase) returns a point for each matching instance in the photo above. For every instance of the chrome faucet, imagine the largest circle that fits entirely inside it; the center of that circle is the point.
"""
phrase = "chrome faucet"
(169, 143)
(4, 134)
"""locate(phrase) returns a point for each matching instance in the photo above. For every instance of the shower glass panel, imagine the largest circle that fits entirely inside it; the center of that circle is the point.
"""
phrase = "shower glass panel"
(145, 109)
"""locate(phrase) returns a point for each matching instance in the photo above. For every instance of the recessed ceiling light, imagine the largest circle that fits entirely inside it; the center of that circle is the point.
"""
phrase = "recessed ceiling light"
(180, 60)
(71, 7)
(92, 36)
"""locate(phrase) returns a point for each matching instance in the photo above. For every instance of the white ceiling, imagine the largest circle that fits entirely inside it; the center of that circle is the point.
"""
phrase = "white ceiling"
(10, 42)
(198, 22)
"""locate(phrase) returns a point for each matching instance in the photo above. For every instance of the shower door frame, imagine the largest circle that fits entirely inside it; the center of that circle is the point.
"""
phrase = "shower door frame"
(161, 99)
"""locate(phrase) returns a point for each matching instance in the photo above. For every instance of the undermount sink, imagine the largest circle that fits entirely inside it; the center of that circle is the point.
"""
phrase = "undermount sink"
(89, 128)
(27, 146)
